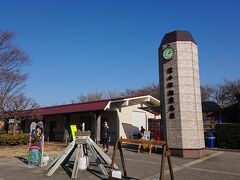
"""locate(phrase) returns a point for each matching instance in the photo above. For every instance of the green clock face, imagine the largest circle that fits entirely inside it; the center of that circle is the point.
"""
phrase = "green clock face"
(168, 53)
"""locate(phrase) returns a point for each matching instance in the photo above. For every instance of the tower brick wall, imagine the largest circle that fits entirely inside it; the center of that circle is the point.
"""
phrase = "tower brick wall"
(184, 131)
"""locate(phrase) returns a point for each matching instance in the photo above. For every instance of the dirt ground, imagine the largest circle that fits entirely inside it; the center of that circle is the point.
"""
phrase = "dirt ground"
(22, 150)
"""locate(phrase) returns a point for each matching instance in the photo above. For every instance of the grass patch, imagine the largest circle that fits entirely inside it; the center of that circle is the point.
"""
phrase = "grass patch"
(22, 150)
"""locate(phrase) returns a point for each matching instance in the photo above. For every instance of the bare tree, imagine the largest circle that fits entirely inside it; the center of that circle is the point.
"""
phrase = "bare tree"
(94, 96)
(12, 59)
(237, 97)
(223, 94)
(207, 92)
(112, 94)
(80, 99)
(220, 95)
(226, 93)
(152, 89)
(232, 89)
(19, 107)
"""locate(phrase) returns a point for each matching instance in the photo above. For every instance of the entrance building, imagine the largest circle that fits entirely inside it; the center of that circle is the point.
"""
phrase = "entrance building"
(125, 116)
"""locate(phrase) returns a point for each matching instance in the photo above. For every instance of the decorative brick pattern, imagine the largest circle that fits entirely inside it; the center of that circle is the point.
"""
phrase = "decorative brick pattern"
(185, 131)
(184, 46)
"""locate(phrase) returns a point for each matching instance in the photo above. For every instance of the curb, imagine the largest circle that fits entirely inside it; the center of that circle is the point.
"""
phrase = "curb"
(228, 150)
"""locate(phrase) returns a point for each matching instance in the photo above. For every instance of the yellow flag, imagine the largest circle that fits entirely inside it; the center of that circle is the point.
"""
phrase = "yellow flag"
(73, 131)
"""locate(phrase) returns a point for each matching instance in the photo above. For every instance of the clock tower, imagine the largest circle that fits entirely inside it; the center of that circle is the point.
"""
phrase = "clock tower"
(180, 94)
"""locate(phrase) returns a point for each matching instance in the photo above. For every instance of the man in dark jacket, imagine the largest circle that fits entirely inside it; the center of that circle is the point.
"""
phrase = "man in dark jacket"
(106, 137)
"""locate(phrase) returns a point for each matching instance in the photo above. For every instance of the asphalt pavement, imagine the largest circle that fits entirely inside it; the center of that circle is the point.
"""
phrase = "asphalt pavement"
(217, 165)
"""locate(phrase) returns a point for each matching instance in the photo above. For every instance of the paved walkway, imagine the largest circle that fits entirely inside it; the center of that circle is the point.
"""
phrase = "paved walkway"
(218, 165)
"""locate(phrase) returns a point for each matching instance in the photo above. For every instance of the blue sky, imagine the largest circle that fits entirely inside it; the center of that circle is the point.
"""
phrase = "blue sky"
(78, 46)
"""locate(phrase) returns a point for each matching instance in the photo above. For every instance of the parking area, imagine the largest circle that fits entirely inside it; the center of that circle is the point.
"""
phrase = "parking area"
(216, 165)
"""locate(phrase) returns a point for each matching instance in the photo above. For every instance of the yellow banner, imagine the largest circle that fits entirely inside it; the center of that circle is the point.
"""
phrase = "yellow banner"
(73, 131)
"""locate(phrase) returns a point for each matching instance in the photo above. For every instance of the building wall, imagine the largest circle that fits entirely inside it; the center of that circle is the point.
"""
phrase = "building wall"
(75, 119)
(80, 118)
(119, 120)
(54, 133)
(126, 121)
(27, 125)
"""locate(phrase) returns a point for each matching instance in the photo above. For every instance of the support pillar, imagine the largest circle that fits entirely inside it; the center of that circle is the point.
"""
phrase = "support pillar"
(67, 131)
(98, 128)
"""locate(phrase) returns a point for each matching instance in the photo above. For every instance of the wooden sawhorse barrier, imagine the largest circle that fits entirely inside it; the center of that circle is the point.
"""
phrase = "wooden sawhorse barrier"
(165, 154)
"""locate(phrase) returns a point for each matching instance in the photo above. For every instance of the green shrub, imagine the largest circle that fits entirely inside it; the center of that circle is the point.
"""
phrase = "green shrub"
(10, 140)
(228, 135)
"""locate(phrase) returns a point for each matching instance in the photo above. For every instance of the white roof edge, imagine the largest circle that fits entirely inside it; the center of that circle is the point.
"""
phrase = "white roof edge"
(137, 97)
(107, 106)
(154, 100)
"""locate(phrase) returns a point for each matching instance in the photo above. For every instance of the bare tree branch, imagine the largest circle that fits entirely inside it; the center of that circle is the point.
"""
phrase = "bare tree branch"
(12, 59)
(207, 92)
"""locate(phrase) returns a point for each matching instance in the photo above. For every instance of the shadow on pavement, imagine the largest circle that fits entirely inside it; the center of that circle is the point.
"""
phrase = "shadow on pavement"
(67, 167)
(96, 173)
(22, 159)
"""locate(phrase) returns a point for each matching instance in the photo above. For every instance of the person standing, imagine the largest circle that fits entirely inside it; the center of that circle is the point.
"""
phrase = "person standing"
(106, 137)
(142, 131)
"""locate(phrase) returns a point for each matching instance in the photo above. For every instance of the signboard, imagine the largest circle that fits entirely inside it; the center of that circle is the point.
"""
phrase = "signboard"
(36, 144)
(11, 121)
(206, 120)
(210, 122)
(146, 135)
(73, 131)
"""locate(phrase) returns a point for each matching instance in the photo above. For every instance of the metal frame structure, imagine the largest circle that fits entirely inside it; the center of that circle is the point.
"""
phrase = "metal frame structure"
(82, 144)
(165, 154)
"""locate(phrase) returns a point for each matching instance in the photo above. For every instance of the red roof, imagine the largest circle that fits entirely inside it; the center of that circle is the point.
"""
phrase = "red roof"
(77, 107)
(71, 108)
